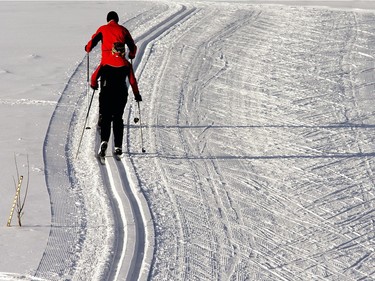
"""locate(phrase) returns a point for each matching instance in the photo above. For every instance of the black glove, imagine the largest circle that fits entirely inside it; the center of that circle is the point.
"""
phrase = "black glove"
(138, 97)
(94, 85)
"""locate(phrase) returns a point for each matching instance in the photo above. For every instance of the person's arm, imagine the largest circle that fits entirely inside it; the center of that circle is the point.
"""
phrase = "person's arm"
(134, 85)
(94, 41)
(131, 45)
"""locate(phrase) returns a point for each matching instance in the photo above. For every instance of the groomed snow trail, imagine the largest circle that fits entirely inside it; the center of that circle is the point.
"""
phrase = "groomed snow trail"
(134, 250)
(260, 152)
(97, 229)
(260, 145)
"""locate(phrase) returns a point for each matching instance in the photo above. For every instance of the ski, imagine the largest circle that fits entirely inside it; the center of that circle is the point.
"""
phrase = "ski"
(118, 157)
(101, 159)
(101, 152)
(117, 153)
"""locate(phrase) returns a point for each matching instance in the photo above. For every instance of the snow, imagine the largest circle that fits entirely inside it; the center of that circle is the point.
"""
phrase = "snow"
(258, 128)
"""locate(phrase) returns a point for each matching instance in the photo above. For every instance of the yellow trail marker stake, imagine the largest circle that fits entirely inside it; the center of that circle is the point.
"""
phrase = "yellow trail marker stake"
(15, 200)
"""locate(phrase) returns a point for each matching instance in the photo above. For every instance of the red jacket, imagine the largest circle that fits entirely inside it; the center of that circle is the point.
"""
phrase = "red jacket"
(109, 34)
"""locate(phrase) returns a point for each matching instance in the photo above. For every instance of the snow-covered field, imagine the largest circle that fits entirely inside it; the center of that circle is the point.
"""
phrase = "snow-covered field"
(259, 136)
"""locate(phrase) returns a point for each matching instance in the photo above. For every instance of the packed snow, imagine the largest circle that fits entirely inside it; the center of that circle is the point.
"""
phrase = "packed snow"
(257, 122)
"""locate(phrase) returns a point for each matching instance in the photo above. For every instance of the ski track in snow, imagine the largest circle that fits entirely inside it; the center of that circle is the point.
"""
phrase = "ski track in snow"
(260, 152)
(89, 229)
(260, 145)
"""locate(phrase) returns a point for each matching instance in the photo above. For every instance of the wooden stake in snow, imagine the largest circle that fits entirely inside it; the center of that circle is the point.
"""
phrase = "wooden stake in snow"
(15, 200)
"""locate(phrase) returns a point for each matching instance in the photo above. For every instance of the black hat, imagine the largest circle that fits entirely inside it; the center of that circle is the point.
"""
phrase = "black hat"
(112, 15)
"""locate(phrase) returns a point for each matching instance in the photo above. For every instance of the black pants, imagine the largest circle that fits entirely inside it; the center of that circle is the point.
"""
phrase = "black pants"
(112, 100)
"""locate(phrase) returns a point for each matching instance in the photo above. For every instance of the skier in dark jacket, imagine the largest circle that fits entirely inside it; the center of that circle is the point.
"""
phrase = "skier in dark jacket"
(113, 71)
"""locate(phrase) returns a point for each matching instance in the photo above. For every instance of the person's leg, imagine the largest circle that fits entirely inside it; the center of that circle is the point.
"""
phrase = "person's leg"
(106, 115)
(105, 131)
(105, 126)
(105, 110)
(118, 130)
(120, 98)
(118, 122)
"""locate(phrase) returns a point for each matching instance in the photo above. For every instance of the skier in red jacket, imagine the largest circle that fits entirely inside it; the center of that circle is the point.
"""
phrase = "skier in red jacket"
(113, 71)
(109, 34)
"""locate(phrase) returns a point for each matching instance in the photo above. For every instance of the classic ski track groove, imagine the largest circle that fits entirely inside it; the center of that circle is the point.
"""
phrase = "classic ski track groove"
(275, 219)
(137, 250)
(68, 218)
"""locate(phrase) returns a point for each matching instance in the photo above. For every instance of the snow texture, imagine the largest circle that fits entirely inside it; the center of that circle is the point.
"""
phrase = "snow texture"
(257, 122)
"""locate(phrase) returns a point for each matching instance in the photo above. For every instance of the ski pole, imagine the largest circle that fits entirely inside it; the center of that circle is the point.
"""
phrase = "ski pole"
(84, 127)
(140, 126)
(139, 119)
(88, 79)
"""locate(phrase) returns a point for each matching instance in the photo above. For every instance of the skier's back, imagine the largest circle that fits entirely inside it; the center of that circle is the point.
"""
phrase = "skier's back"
(113, 71)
